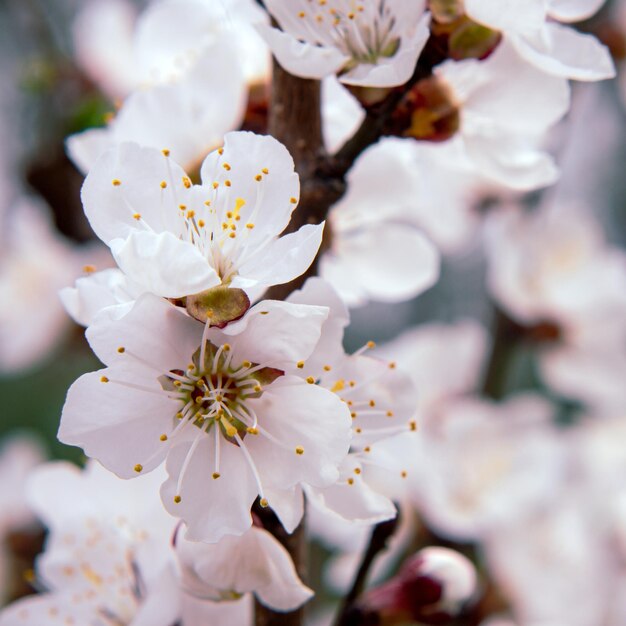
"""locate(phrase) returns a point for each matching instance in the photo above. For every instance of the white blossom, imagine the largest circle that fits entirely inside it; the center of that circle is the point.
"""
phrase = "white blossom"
(224, 406)
(176, 239)
(35, 262)
(183, 69)
(533, 28)
(372, 43)
(254, 562)
(377, 251)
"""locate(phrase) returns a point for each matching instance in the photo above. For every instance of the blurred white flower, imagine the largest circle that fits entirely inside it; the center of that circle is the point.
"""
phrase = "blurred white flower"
(506, 106)
(108, 557)
(35, 262)
(377, 251)
(176, 239)
(373, 43)
(19, 454)
(532, 27)
(254, 562)
(480, 465)
(184, 70)
(224, 407)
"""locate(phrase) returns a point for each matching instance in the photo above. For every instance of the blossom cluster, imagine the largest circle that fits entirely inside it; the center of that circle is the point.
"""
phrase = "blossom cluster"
(226, 396)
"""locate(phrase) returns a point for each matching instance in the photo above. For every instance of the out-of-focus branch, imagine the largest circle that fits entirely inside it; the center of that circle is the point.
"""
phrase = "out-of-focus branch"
(346, 615)
(378, 116)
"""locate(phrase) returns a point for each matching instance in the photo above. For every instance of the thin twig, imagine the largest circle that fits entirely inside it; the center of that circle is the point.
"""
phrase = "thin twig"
(378, 540)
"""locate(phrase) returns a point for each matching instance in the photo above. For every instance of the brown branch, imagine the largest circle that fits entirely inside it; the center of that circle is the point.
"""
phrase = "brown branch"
(348, 615)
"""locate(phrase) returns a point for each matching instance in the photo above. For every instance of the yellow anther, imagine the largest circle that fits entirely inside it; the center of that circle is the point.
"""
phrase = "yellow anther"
(226, 347)
(220, 151)
(215, 475)
(29, 575)
(179, 415)
(351, 481)
(121, 349)
(338, 386)
(252, 431)
(239, 203)
(299, 450)
(353, 415)
(226, 166)
(389, 413)
(177, 499)
(182, 207)
(352, 383)
(265, 170)
(264, 312)
(216, 185)
(138, 467)
(412, 425)
(250, 225)
(403, 474)
(224, 226)
(165, 152)
(227, 183)
(372, 403)
(191, 214)
(207, 203)
(327, 368)
(357, 470)
(163, 437)
(293, 200)
(246, 364)
(258, 178)
(310, 380)
(186, 181)
(89, 269)
(231, 431)
(300, 364)
(163, 184)
(137, 216)
(201, 223)
(104, 379)
(258, 388)
(392, 365)
(358, 431)
(177, 383)
(301, 14)
(371, 344)
(264, 503)
(367, 449)
(116, 182)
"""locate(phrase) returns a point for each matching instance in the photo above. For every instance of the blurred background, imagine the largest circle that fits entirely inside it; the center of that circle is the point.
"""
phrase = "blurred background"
(46, 243)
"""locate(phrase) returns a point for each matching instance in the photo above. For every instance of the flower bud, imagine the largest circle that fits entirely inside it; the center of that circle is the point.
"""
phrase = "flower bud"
(219, 305)
(432, 587)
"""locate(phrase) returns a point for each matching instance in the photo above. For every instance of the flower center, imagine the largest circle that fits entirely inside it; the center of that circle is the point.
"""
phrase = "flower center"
(215, 392)
(362, 30)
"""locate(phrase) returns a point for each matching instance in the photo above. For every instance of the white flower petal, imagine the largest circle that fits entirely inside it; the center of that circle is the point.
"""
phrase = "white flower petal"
(120, 428)
(163, 264)
(390, 263)
(127, 181)
(301, 58)
(563, 51)
(212, 508)
(277, 333)
(297, 414)
(285, 258)
(573, 10)
(154, 330)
